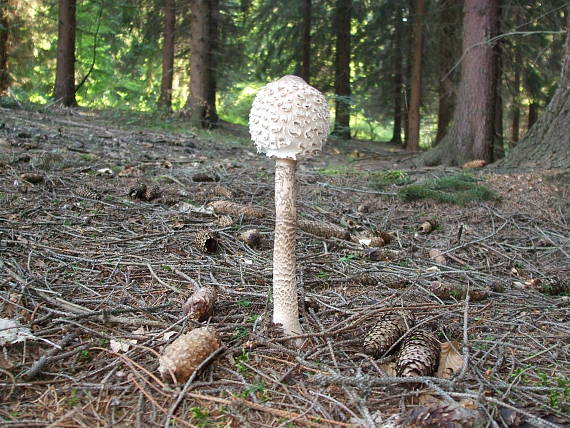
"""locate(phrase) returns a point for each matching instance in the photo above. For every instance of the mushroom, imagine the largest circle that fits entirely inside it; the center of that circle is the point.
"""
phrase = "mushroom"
(289, 120)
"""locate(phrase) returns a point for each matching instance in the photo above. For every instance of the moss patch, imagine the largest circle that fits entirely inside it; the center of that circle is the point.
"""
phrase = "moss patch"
(457, 189)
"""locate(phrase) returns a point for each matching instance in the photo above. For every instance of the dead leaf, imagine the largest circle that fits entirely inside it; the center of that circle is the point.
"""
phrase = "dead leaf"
(11, 331)
(450, 360)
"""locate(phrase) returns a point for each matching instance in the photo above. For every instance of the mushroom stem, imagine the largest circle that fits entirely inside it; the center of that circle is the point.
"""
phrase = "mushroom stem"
(285, 307)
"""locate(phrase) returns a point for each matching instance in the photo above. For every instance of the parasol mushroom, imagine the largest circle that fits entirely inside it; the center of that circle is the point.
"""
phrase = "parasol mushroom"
(289, 120)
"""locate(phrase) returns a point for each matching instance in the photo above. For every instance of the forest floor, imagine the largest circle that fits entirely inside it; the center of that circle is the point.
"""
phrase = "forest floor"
(94, 272)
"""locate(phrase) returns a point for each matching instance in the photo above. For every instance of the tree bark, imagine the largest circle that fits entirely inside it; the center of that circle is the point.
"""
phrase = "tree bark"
(547, 143)
(516, 104)
(398, 65)
(64, 92)
(305, 59)
(532, 113)
(165, 100)
(199, 107)
(497, 144)
(342, 69)
(471, 134)
(447, 51)
(4, 31)
(413, 143)
(211, 118)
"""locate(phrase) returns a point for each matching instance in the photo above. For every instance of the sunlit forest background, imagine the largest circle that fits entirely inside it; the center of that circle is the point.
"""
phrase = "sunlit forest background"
(119, 51)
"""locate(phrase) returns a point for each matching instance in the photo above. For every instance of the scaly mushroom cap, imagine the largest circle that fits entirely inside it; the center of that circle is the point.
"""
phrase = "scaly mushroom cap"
(289, 119)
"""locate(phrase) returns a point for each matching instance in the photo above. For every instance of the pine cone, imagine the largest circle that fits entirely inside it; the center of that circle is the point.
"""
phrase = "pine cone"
(441, 415)
(206, 241)
(427, 226)
(385, 236)
(419, 355)
(365, 279)
(30, 177)
(252, 238)
(224, 221)
(387, 331)
(200, 305)
(181, 358)
(323, 229)
(138, 191)
(152, 192)
(223, 191)
(231, 208)
(87, 192)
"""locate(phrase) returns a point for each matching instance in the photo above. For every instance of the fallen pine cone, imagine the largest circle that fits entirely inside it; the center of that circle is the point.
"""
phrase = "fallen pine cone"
(436, 415)
(32, 178)
(182, 357)
(387, 331)
(373, 242)
(223, 191)
(232, 208)
(143, 192)
(252, 238)
(206, 241)
(323, 229)
(202, 177)
(427, 226)
(87, 193)
(224, 221)
(419, 355)
(478, 163)
(200, 305)
(457, 291)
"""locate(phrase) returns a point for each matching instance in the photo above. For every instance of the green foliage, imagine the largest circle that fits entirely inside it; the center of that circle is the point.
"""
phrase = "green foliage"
(235, 103)
(381, 180)
(457, 189)
(118, 51)
(200, 416)
(240, 362)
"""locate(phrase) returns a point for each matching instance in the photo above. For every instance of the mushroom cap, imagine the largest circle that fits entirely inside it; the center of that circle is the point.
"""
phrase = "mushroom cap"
(289, 119)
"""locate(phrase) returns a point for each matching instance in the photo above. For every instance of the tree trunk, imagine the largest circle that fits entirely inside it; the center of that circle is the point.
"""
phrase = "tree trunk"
(547, 143)
(342, 69)
(211, 113)
(413, 143)
(532, 113)
(4, 30)
(516, 112)
(398, 76)
(64, 92)
(497, 144)
(471, 134)
(199, 107)
(447, 50)
(165, 100)
(305, 59)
